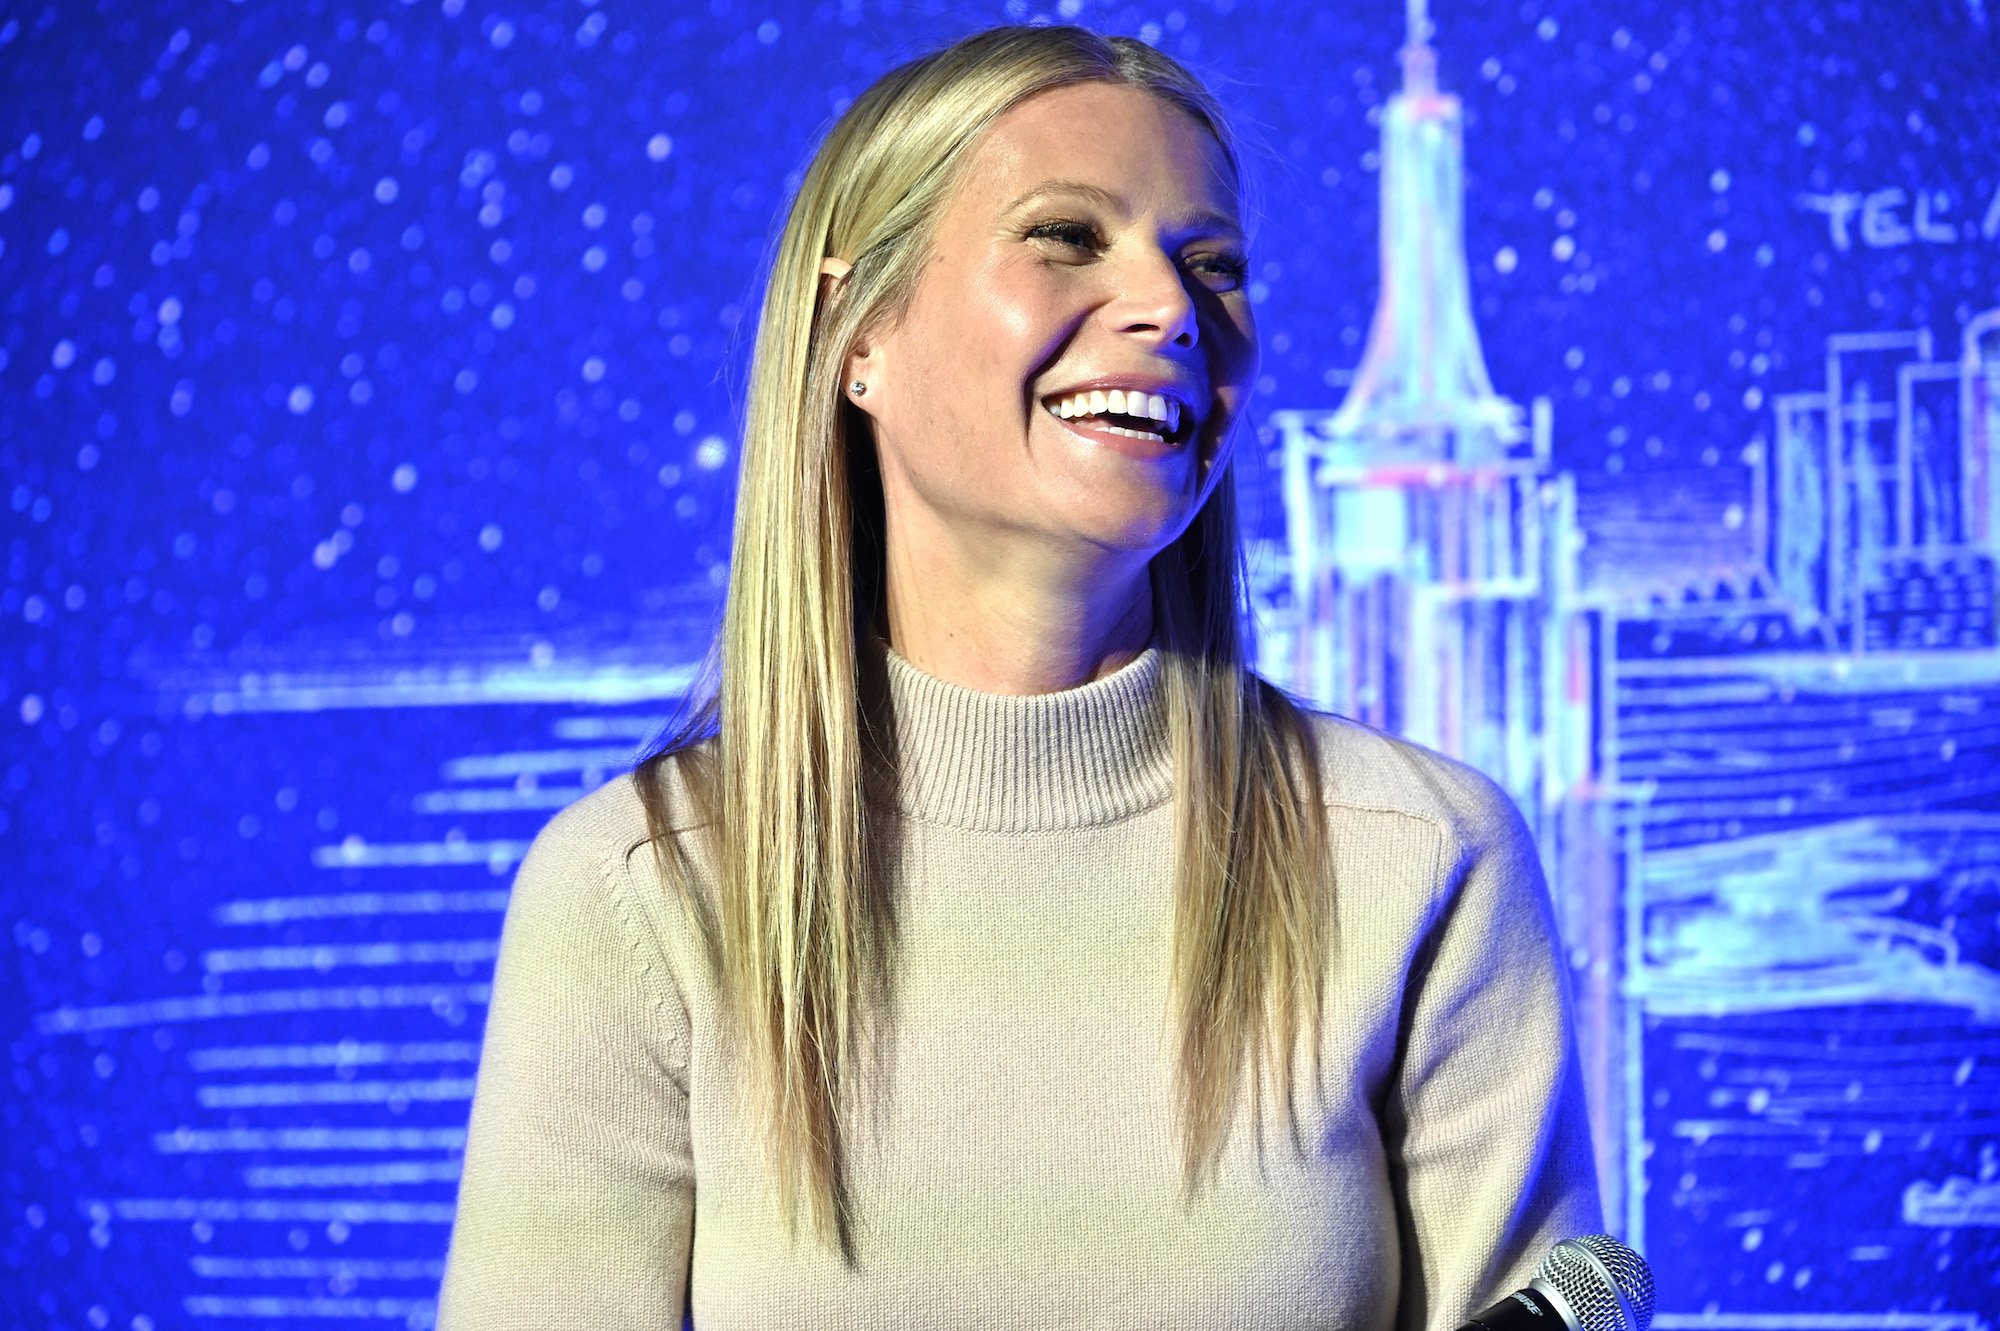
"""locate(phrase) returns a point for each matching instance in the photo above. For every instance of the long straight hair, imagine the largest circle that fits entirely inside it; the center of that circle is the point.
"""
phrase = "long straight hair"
(783, 755)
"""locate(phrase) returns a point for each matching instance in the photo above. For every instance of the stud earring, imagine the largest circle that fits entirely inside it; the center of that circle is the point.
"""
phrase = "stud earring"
(857, 388)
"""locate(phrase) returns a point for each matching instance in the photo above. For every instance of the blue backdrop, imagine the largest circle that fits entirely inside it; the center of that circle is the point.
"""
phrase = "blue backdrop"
(367, 384)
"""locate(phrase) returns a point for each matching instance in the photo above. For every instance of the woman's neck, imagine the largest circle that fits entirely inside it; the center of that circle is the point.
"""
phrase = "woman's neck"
(1015, 633)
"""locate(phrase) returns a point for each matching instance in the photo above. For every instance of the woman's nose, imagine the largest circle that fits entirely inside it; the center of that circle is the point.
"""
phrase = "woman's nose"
(1156, 302)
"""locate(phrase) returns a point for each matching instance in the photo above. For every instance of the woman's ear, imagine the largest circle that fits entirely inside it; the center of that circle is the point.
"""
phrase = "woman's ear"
(861, 379)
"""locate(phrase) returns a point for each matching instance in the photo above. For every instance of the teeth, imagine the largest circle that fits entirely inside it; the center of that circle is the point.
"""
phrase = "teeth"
(1152, 406)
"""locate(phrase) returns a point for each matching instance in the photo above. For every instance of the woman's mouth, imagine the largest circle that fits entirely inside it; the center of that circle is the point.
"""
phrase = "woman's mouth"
(1126, 413)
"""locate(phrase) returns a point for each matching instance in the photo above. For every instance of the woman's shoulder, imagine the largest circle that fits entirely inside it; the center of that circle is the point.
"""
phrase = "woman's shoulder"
(1363, 768)
(588, 836)
(1402, 813)
(614, 820)
(600, 870)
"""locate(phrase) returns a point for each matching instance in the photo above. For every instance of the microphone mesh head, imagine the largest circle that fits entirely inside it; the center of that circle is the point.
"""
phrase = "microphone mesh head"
(1578, 1269)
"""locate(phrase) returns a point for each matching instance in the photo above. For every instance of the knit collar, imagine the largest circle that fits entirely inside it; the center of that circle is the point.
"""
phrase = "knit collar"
(998, 763)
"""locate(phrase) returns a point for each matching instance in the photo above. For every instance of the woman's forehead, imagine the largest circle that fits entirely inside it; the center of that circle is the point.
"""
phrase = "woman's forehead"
(1105, 137)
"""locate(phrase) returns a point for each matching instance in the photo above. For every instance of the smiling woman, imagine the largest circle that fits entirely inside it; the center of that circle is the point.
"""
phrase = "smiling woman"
(1089, 265)
(960, 915)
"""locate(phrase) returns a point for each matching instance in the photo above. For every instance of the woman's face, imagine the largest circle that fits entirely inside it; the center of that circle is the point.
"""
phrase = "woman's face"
(1079, 341)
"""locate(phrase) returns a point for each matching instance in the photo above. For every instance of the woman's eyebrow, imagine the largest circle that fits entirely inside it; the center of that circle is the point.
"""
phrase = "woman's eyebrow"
(1199, 220)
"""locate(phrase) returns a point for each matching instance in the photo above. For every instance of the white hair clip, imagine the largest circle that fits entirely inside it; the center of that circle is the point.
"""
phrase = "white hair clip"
(835, 268)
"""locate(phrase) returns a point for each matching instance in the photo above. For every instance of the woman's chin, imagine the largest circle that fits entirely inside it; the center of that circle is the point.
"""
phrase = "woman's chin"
(1142, 525)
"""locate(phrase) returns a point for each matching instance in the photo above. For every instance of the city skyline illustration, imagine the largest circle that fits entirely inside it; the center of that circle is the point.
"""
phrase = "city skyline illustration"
(1434, 590)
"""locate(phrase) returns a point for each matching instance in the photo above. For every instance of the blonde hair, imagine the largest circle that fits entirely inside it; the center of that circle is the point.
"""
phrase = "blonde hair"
(784, 759)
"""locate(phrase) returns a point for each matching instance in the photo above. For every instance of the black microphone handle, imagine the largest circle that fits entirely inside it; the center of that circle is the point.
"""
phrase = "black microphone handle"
(1535, 1307)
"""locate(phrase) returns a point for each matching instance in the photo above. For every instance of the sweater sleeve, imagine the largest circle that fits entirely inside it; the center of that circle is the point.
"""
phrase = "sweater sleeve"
(576, 1206)
(1486, 1119)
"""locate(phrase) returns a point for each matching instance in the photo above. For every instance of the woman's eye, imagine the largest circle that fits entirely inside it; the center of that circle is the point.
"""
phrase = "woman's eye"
(1220, 272)
(1076, 235)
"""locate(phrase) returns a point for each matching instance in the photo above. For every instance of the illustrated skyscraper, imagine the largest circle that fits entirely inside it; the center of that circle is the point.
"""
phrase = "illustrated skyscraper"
(1432, 547)
(1422, 393)
(1433, 553)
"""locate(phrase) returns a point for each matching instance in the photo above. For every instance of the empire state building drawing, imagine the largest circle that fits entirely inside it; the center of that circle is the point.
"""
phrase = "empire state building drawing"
(1422, 391)
(1432, 548)
(1432, 559)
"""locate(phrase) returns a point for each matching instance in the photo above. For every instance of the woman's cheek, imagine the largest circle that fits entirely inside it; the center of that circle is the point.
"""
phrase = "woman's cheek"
(1239, 349)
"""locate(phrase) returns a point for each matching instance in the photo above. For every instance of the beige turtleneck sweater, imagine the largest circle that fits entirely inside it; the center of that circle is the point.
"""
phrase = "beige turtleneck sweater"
(1023, 1167)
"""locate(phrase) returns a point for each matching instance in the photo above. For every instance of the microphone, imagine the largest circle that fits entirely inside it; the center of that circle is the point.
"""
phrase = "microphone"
(1594, 1283)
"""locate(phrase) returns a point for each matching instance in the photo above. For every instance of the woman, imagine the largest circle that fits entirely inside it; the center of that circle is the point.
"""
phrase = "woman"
(996, 949)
